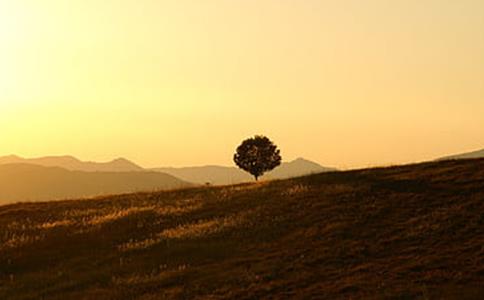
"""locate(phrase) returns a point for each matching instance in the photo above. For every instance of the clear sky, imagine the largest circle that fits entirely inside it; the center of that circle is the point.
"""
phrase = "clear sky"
(347, 83)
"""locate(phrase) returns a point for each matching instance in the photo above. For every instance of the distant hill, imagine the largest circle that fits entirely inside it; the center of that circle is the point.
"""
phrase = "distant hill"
(295, 168)
(60, 177)
(473, 154)
(74, 164)
(407, 232)
(27, 182)
(218, 175)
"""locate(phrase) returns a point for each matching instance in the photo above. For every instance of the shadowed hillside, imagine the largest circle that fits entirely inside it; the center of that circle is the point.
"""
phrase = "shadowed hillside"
(410, 232)
(24, 182)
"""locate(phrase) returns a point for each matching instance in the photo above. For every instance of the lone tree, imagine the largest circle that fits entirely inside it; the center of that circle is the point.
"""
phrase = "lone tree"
(257, 155)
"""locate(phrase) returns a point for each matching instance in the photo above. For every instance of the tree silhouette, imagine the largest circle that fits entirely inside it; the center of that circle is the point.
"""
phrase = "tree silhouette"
(257, 155)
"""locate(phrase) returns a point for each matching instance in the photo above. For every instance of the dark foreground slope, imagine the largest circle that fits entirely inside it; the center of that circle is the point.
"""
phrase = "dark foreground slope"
(411, 232)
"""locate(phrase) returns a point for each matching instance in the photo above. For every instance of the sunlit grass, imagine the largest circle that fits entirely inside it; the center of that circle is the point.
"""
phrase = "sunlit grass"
(18, 233)
(15, 240)
(198, 229)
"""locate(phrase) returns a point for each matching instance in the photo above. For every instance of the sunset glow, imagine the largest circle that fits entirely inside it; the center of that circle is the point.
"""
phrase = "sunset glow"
(345, 83)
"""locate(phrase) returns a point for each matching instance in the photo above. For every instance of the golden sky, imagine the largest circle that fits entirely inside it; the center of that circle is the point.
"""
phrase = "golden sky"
(347, 83)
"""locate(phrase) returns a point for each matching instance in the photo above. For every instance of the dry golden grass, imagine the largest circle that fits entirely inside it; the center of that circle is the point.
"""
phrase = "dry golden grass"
(410, 232)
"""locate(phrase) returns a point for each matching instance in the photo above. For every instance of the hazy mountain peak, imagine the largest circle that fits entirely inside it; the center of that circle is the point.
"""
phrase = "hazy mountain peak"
(123, 164)
(301, 160)
(121, 159)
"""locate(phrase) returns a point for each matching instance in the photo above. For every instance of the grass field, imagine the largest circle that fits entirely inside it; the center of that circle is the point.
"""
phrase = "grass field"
(409, 232)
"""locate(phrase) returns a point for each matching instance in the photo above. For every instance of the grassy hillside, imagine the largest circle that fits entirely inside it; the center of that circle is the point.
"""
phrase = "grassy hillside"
(410, 232)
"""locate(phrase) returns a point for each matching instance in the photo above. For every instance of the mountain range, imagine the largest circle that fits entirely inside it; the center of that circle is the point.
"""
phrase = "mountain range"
(73, 164)
(60, 177)
(217, 175)
(29, 182)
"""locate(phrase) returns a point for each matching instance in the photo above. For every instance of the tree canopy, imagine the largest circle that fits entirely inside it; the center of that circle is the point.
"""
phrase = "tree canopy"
(257, 156)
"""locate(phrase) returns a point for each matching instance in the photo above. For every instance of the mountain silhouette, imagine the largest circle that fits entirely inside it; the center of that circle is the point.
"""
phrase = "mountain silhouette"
(73, 164)
(28, 182)
(473, 154)
(295, 168)
(218, 175)
(60, 177)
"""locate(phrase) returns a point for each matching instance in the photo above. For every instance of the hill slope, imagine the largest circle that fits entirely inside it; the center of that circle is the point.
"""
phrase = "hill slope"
(25, 182)
(74, 164)
(407, 232)
(218, 175)
(468, 155)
